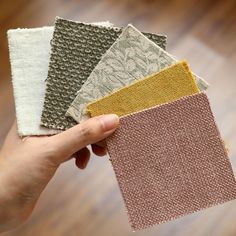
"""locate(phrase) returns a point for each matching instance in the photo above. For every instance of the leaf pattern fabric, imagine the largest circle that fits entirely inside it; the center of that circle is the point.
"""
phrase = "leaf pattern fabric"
(132, 57)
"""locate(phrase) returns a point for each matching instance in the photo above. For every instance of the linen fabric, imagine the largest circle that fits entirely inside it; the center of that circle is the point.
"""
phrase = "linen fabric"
(132, 57)
(170, 161)
(168, 85)
(76, 50)
(29, 55)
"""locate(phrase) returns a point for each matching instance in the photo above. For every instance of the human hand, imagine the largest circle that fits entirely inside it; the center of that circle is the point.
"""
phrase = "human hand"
(28, 164)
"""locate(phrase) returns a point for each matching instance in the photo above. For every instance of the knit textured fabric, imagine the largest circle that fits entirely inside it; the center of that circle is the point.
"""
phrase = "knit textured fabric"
(170, 161)
(168, 85)
(76, 50)
(132, 57)
(29, 55)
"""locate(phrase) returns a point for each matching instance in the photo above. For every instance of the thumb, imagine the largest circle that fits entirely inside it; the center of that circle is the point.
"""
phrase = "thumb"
(81, 135)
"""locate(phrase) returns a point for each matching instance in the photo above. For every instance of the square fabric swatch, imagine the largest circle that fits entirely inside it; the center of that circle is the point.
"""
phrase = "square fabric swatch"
(132, 57)
(29, 55)
(170, 161)
(76, 50)
(168, 85)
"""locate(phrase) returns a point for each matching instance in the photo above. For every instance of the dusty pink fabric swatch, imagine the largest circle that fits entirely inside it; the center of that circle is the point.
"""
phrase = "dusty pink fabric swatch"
(170, 161)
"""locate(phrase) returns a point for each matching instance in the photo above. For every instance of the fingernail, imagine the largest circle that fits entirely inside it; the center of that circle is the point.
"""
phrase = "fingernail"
(109, 122)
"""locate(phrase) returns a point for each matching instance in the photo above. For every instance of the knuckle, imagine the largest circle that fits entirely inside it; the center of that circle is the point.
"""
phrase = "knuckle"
(85, 133)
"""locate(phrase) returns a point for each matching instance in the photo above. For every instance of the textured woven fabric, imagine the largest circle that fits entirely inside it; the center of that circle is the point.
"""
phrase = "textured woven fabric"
(168, 85)
(132, 57)
(76, 50)
(29, 54)
(170, 161)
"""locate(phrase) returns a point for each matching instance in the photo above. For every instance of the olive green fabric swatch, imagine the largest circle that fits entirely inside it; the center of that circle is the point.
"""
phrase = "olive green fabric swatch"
(76, 50)
(132, 57)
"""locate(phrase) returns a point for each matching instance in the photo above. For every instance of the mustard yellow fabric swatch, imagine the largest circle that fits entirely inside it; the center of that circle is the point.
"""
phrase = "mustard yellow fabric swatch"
(165, 86)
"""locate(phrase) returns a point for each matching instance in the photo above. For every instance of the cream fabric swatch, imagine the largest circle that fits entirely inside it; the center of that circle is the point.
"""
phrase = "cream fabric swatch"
(29, 55)
(132, 57)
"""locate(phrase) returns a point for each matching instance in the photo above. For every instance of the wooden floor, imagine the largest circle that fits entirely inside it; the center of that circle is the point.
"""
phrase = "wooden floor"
(88, 202)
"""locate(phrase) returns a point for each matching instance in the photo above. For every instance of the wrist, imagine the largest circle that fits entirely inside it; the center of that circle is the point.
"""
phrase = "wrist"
(14, 208)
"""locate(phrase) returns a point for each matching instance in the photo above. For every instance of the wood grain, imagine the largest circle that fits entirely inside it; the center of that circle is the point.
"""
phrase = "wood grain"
(88, 202)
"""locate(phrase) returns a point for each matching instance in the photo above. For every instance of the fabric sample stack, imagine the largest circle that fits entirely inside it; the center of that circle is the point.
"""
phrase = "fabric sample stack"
(167, 153)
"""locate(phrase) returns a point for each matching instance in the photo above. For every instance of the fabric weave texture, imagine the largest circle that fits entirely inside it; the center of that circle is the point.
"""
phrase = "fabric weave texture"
(132, 57)
(76, 50)
(170, 161)
(168, 85)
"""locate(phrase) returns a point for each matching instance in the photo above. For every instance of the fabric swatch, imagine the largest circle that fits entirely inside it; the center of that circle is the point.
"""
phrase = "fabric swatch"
(132, 57)
(76, 50)
(170, 161)
(168, 85)
(29, 55)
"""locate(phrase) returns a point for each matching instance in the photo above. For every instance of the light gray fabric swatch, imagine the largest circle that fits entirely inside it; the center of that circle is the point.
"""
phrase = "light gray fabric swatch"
(132, 57)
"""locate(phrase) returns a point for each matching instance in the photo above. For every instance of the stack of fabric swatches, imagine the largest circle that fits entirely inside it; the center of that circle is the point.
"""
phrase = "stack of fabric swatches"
(167, 153)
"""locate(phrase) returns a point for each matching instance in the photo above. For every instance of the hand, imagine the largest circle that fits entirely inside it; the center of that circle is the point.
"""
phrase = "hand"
(28, 164)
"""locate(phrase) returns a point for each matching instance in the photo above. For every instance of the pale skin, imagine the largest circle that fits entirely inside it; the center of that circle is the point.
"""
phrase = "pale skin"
(28, 164)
